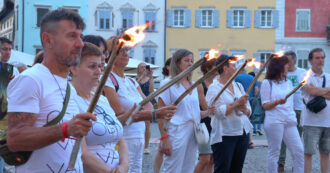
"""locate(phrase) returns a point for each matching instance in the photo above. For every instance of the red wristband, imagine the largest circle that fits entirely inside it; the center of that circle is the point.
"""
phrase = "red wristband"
(276, 102)
(64, 132)
(162, 138)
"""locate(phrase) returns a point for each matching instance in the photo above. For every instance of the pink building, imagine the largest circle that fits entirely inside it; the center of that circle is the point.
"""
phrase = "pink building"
(303, 26)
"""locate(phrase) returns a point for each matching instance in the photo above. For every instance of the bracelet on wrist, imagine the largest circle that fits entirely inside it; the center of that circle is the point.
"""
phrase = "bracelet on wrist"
(153, 113)
(276, 102)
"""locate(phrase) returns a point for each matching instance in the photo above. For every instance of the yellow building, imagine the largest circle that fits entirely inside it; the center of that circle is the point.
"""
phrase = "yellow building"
(234, 27)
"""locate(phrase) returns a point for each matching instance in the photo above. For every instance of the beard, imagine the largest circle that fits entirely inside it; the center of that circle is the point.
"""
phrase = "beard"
(72, 59)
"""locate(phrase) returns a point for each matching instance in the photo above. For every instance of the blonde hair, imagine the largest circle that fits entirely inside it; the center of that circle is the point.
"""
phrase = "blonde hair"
(138, 71)
(175, 63)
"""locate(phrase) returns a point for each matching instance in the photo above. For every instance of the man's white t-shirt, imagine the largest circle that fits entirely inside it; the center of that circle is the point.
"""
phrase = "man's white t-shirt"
(37, 91)
(295, 77)
(322, 118)
(128, 95)
(105, 132)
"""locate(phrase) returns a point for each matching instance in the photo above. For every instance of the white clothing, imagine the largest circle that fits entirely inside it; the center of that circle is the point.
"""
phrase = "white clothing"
(222, 124)
(105, 132)
(278, 90)
(295, 77)
(281, 123)
(128, 95)
(136, 148)
(36, 91)
(275, 132)
(189, 104)
(321, 119)
(184, 149)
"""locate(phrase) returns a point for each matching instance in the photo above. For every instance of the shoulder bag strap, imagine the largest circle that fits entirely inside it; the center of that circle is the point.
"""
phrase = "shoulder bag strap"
(114, 81)
(65, 105)
(323, 84)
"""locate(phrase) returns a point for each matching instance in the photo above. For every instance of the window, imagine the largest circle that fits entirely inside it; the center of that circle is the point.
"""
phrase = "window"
(303, 20)
(179, 18)
(149, 55)
(127, 20)
(151, 18)
(266, 18)
(207, 18)
(302, 58)
(173, 51)
(264, 57)
(238, 18)
(104, 19)
(40, 13)
(38, 50)
(131, 53)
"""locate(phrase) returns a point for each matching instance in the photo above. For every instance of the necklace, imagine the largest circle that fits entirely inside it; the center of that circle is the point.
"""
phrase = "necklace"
(57, 84)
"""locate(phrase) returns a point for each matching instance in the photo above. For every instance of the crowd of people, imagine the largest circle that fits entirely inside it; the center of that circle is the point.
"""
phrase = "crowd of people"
(66, 73)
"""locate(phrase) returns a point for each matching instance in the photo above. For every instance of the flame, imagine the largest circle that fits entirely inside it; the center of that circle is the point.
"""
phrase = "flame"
(212, 53)
(255, 63)
(279, 54)
(308, 74)
(134, 35)
(237, 58)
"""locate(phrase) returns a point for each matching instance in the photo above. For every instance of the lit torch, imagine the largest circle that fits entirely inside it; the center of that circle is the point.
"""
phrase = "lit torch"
(177, 78)
(257, 65)
(130, 38)
(303, 82)
(232, 77)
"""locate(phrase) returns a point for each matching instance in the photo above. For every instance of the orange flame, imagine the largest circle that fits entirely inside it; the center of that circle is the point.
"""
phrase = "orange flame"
(237, 58)
(279, 54)
(212, 53)
(306, 77)
(134, 35)
(255, 63)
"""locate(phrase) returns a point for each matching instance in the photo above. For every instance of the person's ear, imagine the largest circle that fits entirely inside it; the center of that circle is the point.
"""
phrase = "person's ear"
(47, 39)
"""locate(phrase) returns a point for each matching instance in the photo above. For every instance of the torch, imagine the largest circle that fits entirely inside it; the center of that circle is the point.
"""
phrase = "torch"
(303, 82)
(130, 38)
(212, 54)
(278, 54)
(231, 79)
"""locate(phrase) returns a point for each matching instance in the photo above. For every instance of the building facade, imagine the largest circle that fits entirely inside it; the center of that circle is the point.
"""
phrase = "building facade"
(303, 26)
(112, 17)
(234, 27)
(28, 15)
(7, 19)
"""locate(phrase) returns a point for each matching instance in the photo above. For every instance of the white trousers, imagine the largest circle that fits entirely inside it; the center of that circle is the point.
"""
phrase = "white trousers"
(184, 149)
(289, 133)
(135, 151)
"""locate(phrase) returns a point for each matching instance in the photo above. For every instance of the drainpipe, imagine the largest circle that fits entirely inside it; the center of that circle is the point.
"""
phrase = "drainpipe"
(165, 30)
(23, 4)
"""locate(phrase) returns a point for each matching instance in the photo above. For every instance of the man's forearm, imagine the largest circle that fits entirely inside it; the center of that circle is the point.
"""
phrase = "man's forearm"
(29, 138)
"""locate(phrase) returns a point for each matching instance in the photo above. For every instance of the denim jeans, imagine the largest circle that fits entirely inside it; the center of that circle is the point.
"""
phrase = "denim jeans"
(229, 155)
(2, 165)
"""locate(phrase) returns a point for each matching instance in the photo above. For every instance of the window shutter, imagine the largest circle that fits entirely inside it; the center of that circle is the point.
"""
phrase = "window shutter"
(257, 18)
(198, 18)
(187, 19)
(170, 18)
(216, 18)
(148, 18)
(247, 19)
(146, 54)
(153, 19)
(130, 18)
(229, 18)
(256, 56)
(153, 56)
(275, 18)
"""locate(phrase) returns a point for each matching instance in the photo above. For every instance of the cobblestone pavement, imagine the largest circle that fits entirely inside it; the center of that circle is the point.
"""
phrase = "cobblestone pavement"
(255, 161)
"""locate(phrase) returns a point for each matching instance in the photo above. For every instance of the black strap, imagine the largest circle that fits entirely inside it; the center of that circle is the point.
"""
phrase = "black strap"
(114, 81)
(65, 105)
(323, 84)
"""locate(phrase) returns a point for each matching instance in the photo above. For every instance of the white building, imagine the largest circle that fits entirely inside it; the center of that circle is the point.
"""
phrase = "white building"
(112, 17)
(7, 19)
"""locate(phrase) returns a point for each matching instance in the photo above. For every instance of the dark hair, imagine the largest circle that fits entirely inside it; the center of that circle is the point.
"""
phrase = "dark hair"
(252, 74)
(165, 71)
(292, 54)
(38, 58)
(207, 65)
(5, 40)
(95, 39)
(310, 55)
(220, 59)
(276, 67)
(50, 20)
(90, 49)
